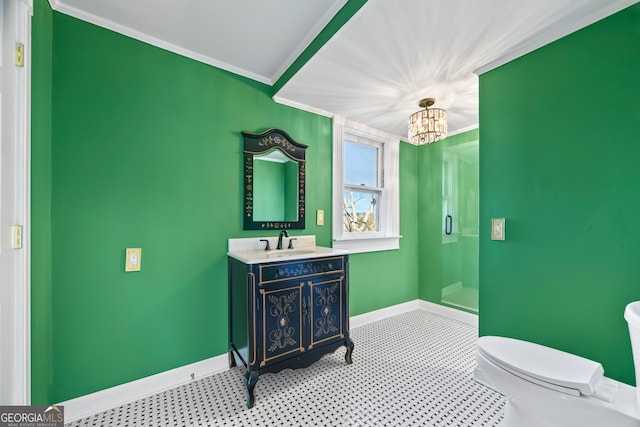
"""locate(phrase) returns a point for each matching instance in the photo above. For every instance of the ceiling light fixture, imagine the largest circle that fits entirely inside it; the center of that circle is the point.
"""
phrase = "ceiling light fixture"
(428, 125)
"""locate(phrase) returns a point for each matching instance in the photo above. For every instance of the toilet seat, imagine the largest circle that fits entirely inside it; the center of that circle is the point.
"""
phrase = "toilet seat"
(551, 368)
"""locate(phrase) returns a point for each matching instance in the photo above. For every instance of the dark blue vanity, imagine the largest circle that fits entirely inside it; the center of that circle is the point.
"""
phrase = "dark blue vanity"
(286, 311)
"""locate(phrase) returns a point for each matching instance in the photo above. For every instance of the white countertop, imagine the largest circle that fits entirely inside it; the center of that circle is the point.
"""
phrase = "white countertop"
(251, 250)
(260, 256)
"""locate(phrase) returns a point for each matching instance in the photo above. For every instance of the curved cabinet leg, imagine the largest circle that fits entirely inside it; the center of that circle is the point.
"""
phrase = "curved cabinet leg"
(347, 355)
(251, 378)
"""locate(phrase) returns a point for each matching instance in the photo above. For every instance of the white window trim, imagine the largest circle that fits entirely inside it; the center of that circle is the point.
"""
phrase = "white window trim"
(388, 238)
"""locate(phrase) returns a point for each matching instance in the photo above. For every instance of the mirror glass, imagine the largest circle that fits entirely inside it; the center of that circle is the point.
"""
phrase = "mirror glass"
(274, 181)
(275, 187)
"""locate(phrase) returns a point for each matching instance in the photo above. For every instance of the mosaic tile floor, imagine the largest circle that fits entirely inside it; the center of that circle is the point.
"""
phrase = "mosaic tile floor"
(414, 369)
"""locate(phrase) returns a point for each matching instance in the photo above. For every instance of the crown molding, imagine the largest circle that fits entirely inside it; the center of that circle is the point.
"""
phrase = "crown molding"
(301, 106)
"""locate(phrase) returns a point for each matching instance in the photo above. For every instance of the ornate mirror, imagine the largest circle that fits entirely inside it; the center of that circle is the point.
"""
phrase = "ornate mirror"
(274, 181)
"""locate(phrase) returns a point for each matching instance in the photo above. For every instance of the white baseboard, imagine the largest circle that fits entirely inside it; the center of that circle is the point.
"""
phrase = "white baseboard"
(460, 315)
(418, 304)
(113, 397)
(383, 313)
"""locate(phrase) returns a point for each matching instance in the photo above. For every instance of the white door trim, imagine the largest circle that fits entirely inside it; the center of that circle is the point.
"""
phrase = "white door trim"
(24, 197)
(17, 17)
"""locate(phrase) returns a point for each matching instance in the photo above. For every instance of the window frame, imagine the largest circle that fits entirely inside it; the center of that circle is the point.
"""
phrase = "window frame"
(388, 235)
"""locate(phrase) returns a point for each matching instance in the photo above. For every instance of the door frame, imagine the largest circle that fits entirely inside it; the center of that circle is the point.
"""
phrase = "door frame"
(20, 20)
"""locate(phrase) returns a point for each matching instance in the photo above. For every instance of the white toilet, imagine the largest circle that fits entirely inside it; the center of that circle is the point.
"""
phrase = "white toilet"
(546, 387)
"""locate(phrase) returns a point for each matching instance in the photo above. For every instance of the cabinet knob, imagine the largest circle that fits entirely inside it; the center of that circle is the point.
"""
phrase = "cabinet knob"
(279, 273)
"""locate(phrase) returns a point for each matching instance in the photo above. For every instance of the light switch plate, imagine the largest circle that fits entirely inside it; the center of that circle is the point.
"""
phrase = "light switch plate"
(133, 259)
(320, 217)
(497, 229)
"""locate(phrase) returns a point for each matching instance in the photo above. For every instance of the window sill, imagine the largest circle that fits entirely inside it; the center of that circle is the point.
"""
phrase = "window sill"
(368, 244)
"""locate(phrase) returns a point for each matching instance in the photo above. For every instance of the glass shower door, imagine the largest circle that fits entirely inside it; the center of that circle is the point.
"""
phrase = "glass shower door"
(460, 225)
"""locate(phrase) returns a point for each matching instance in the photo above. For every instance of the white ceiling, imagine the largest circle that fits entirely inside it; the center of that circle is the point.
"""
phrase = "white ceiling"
(376, 68)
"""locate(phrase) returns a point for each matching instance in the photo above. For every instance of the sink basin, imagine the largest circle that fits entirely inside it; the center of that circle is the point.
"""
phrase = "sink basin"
(288, 253)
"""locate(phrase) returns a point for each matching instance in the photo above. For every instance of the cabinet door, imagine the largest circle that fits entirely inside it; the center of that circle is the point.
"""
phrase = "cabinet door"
(326, 310)
(281, 321)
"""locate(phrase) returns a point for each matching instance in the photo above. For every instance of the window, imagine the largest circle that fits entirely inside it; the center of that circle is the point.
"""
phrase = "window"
(365, 187)
(362, 185)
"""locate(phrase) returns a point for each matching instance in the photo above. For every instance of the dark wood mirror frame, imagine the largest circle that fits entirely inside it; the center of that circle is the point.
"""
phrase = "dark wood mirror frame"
(261, 143)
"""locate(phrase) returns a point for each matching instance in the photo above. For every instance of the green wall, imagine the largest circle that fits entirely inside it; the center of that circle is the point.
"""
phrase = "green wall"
(559, 160)
(147, 153)
(134, 146)
(430, 246)
(382, 279)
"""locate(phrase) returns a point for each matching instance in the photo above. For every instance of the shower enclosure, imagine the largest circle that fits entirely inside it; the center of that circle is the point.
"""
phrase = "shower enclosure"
(460, 225)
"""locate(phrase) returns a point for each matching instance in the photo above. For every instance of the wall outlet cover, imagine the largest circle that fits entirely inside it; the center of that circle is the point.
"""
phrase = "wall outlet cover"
(133, 259)
(497, 229)
(320, 217)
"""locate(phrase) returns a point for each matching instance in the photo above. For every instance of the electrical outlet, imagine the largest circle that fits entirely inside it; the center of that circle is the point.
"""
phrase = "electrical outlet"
(16, 237)
(498, 229)
(19, 54)
(133, 259)
(320, 217)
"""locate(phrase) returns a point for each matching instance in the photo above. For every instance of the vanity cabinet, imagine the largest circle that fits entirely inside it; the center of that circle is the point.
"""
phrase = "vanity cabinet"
(287, 314)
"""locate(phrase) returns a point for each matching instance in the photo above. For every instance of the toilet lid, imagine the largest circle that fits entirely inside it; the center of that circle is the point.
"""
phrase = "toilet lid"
(542, 365)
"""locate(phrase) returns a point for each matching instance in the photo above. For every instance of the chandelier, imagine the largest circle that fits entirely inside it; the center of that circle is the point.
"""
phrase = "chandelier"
(428, 125)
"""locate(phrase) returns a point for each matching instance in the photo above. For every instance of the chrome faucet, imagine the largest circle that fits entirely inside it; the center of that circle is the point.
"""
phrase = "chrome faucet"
(282, 233)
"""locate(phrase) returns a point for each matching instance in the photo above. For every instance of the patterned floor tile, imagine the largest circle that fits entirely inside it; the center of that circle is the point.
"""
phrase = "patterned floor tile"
(415, 369)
